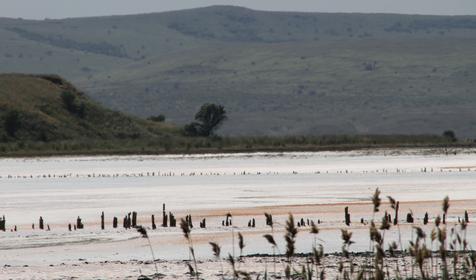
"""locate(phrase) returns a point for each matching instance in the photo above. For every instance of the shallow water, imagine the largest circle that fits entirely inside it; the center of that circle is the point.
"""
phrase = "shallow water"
(60, 189)
(85, 186)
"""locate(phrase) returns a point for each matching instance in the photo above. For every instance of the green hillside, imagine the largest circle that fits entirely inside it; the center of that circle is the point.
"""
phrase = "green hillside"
(33, 109)
(277, 73)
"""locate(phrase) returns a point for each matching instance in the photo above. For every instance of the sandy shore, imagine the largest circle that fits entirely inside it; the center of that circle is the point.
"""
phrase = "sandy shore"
(123, 254)
(213, 269)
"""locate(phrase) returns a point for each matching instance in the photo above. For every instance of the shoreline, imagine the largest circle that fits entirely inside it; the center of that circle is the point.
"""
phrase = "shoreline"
(230, 151)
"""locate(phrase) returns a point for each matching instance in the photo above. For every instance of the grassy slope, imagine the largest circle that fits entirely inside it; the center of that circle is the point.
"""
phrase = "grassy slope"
(43, 116)
(277, 73)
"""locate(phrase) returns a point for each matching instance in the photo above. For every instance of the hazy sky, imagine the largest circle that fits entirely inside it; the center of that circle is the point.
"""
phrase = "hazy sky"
(40, 9)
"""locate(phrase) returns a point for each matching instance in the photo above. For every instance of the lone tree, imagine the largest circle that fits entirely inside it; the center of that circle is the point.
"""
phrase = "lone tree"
(450, 134)
(207, 120)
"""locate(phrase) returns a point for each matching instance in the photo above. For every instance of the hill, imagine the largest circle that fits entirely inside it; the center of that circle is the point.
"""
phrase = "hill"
(46, 109)
(46, 115)
(277, 73)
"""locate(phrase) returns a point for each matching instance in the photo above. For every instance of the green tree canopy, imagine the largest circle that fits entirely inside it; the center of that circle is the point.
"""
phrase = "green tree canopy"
(207, 120)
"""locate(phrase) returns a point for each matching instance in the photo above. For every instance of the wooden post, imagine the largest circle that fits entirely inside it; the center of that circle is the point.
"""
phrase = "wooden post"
(134, 219)
(395, 219)
(466, 216)
(69, 227)
(425, 219)
(410, 218)
(3, 224)
(102, 220)
(164, 216)
(41, 223)
(153, 222)
(114, 222)
(269, 220)
(79, 224)
(347, 216)
(173, 221)
(190, 224)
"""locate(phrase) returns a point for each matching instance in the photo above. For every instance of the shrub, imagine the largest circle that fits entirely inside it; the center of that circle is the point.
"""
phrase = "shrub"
(12, 123)
(158, 118)
(69, 101)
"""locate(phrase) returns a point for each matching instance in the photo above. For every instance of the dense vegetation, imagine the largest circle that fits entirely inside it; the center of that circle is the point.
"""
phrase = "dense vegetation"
(277, 74)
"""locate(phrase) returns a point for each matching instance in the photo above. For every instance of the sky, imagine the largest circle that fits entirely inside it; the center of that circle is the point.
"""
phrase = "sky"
(40, 9)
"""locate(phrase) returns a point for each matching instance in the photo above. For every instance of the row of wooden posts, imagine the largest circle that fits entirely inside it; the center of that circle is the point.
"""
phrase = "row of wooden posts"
(409, 219)
(169, 220)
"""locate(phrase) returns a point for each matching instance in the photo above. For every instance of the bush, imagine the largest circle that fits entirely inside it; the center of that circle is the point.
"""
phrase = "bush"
(158, 118)
(450, 135)
(69, 101)
(12, 123)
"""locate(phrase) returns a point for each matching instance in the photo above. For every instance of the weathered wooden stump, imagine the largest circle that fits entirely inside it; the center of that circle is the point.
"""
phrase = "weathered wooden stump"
(114, 222)
(466, 216)
(79, 223)
(425, 219)
(102, 220)
(41, 225)
(269, 219)
(188, 219)
(134, 219)
(347, 216)
(3, 223)
(153, 222)
(410, 218)
(164, 216)
(395, 219)
(173, 221)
